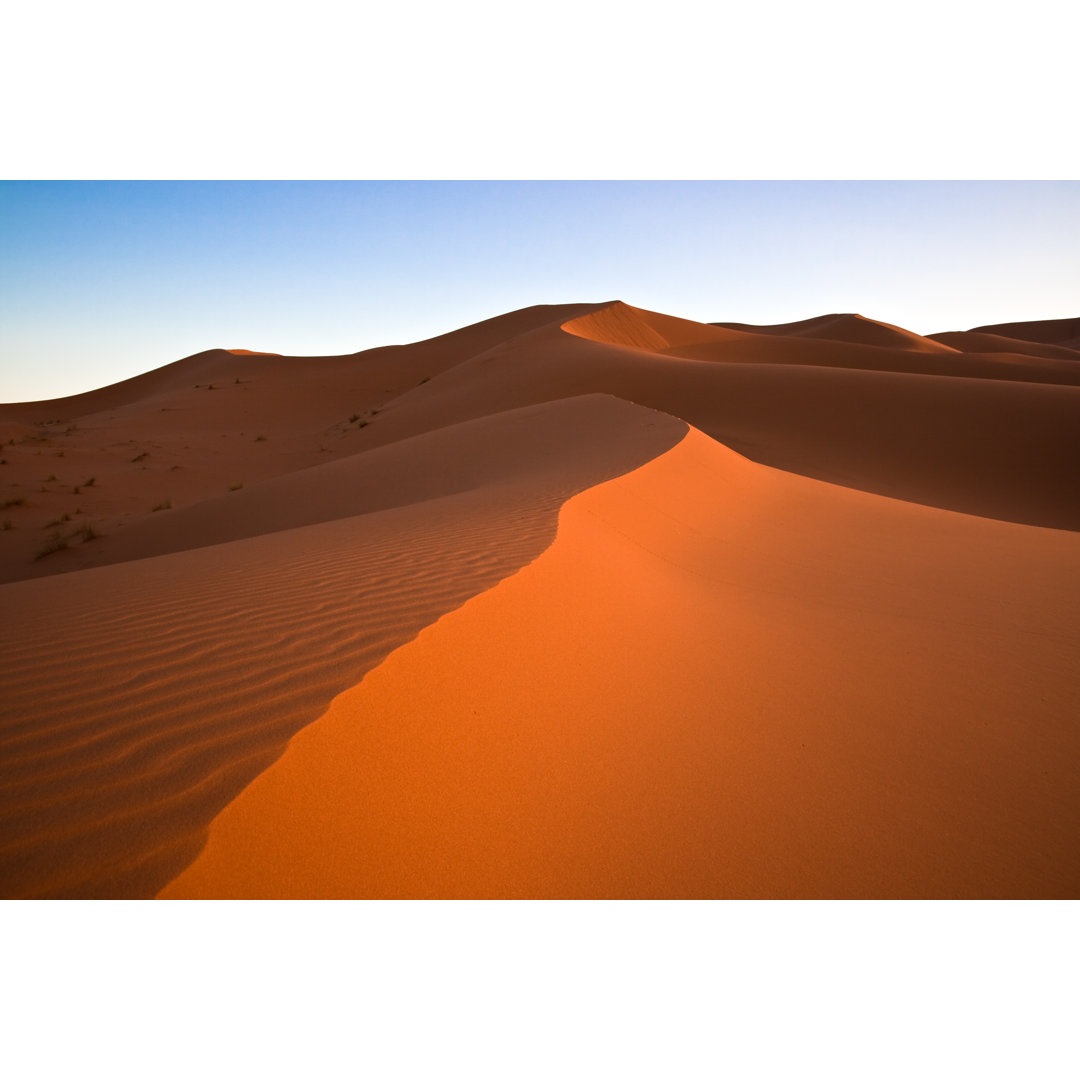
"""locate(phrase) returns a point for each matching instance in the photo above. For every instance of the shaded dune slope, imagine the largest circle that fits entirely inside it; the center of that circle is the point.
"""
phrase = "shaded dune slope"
(786, 689)
(195, 430)
(512, 448)
(990, 433)
(855, 329)
(1046, 331)
(972, 341)
(984, 446)
(223, 365)
(124, 733)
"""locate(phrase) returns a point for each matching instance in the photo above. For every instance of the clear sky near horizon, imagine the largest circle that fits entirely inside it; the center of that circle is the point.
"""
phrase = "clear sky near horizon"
(100, 281)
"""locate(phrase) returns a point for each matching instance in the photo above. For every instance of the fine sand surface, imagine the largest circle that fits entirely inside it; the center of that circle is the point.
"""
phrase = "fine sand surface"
(580, 601)
(786, 690)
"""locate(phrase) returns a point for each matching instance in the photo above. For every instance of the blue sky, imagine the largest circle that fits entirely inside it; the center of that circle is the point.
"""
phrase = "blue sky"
(102, 280)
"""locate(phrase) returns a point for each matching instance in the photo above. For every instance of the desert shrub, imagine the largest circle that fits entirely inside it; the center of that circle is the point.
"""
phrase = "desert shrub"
(19, 500)
(56, 542)
(236, 487)
(165, 504)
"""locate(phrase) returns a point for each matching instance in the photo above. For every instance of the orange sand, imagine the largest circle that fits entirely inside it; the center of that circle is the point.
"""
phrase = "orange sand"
(723, 678)
(786, 690)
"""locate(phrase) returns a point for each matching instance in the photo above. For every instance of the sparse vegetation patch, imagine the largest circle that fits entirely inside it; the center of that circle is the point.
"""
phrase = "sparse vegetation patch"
(56, 542)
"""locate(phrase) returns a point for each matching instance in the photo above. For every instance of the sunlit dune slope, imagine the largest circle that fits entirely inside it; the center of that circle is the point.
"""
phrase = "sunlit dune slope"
(621, 324)
(140, 698)
(720, 681)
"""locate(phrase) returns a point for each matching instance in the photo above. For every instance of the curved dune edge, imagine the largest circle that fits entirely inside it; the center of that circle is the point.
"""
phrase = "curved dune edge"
(721, 680)
(619, 323)
(142, 697)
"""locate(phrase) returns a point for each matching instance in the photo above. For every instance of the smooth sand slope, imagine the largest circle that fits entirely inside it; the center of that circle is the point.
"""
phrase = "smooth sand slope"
(198, 560)
(785, 690)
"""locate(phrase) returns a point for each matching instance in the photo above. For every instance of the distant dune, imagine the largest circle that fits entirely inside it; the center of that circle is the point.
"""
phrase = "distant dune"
(852, 328)
(982, 342)
(1050, 331)
(579, 601)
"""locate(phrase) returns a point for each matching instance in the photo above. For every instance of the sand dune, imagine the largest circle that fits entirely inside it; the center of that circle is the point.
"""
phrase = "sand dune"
(787, 690)
(971, 341)
(141, 697)
(978, 445)
(1048, 331)
(856, 329)
(818, 643)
